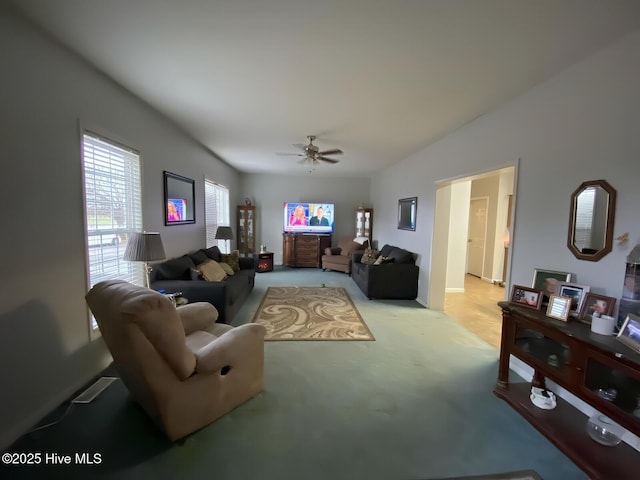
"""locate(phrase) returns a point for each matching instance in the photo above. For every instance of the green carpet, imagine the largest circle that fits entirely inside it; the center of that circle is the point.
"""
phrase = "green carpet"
(417, 403)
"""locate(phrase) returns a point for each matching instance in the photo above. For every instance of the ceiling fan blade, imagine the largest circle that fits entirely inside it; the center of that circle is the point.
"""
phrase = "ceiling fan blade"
(334, 151)
(326, 159)
(300, 146)
(294, 154)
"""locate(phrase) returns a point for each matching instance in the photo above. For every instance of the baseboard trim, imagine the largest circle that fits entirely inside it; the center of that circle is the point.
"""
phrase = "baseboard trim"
(454, 290)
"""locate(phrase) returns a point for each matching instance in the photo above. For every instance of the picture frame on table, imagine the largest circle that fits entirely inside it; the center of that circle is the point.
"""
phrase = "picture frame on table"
(548, 280)
(596, 303)
(577, 293)
(559, 307)
(526, 297)
(629, 333)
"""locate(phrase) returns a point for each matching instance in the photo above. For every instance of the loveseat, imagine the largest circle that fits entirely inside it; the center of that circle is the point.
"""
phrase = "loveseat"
(180, 275)
(393, 276)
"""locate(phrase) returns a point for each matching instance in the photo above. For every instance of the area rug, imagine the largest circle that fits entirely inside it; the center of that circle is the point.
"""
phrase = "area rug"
(310, 313)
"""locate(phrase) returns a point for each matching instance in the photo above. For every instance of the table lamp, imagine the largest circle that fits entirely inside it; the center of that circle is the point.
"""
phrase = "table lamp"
(144, 247)
(224, 233)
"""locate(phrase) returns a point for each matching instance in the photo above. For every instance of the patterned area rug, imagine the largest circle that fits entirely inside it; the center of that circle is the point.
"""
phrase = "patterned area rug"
(310, 313)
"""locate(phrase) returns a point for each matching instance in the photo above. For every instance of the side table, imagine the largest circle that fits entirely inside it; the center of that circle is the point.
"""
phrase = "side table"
(263, 261)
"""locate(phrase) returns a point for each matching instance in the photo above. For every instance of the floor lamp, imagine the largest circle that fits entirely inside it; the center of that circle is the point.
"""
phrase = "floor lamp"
(144, 247)
(224, 233)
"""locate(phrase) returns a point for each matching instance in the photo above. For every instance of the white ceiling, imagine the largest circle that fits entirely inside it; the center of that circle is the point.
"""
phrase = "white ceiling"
(379, 79)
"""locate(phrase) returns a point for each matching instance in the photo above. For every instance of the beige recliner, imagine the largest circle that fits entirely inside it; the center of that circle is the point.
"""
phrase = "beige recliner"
(179, 365)
(339, 258)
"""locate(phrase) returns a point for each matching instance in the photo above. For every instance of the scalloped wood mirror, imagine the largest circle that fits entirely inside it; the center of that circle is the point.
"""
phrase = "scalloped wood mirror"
(593, 207)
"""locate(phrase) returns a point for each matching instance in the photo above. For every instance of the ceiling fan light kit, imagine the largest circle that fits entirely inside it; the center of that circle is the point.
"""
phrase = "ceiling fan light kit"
(312, 154)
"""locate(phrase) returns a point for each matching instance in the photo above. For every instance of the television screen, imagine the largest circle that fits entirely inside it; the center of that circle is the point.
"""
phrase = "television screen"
(300, 217)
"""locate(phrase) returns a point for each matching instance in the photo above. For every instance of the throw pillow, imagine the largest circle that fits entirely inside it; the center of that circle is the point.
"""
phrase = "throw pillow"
(199, 257)
(212, 271)
(213, 253)
(369, 256)
(232, 259)
(174, 269)
(227, 268)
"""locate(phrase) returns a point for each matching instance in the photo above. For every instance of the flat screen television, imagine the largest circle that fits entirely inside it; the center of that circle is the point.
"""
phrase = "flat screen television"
(301, 217)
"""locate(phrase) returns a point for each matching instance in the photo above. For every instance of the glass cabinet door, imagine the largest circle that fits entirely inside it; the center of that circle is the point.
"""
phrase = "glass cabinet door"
(246, 230)
(538, 349)
(364, 223)
(617, 384)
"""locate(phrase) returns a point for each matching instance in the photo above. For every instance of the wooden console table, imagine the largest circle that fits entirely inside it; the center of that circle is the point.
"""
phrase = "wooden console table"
(581, 362)
(304, 250)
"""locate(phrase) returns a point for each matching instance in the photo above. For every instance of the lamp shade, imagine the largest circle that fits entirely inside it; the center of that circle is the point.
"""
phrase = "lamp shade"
(144, 247)
(224, 233)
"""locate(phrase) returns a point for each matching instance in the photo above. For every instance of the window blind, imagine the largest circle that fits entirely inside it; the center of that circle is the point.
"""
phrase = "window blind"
(113, 208)
(216, 208)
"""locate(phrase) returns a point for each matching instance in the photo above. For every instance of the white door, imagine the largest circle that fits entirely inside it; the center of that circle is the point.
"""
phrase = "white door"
(477, 235)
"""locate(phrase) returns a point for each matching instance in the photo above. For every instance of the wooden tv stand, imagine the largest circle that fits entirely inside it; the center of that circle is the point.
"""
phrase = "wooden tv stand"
(581, 362)
(303, 249)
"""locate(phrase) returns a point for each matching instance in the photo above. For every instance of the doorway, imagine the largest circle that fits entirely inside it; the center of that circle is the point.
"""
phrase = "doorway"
(469, 259)
(478, 210)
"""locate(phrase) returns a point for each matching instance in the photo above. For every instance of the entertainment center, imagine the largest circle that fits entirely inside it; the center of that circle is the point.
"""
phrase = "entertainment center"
(582, 363)
(304, 249)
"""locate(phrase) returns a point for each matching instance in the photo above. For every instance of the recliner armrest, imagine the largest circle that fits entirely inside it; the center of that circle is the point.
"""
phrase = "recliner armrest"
(233, 347)
(197, 316)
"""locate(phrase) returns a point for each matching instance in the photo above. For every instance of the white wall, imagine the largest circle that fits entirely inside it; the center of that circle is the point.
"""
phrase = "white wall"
(458, 235)
(269, 192)
(45, 351)
(581, 125)
(505, 190)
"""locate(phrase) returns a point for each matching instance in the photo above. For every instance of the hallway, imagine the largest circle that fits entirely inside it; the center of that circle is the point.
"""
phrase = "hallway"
(477, 310)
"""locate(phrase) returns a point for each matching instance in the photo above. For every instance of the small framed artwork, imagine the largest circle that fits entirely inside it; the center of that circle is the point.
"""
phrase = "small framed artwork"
(593, 303)
(526, 297)
(630, 332)
(577, 293)
(558, 307)
(548, 280)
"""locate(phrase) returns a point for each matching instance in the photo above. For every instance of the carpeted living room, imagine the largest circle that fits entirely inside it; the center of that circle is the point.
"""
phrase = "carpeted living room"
(415, 402)
(406, 110)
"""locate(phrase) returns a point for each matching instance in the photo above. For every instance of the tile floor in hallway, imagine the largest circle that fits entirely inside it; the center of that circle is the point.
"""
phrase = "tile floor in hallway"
(477, 308)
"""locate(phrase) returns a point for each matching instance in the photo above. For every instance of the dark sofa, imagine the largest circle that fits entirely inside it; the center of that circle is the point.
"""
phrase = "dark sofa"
(395, 279)
(177, 275)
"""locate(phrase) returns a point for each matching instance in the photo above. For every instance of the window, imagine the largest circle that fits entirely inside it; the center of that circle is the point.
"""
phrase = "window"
(216, 206)
(113, 208)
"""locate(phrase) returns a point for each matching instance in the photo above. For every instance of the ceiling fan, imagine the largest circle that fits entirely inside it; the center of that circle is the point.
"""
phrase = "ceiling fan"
(312, 153)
